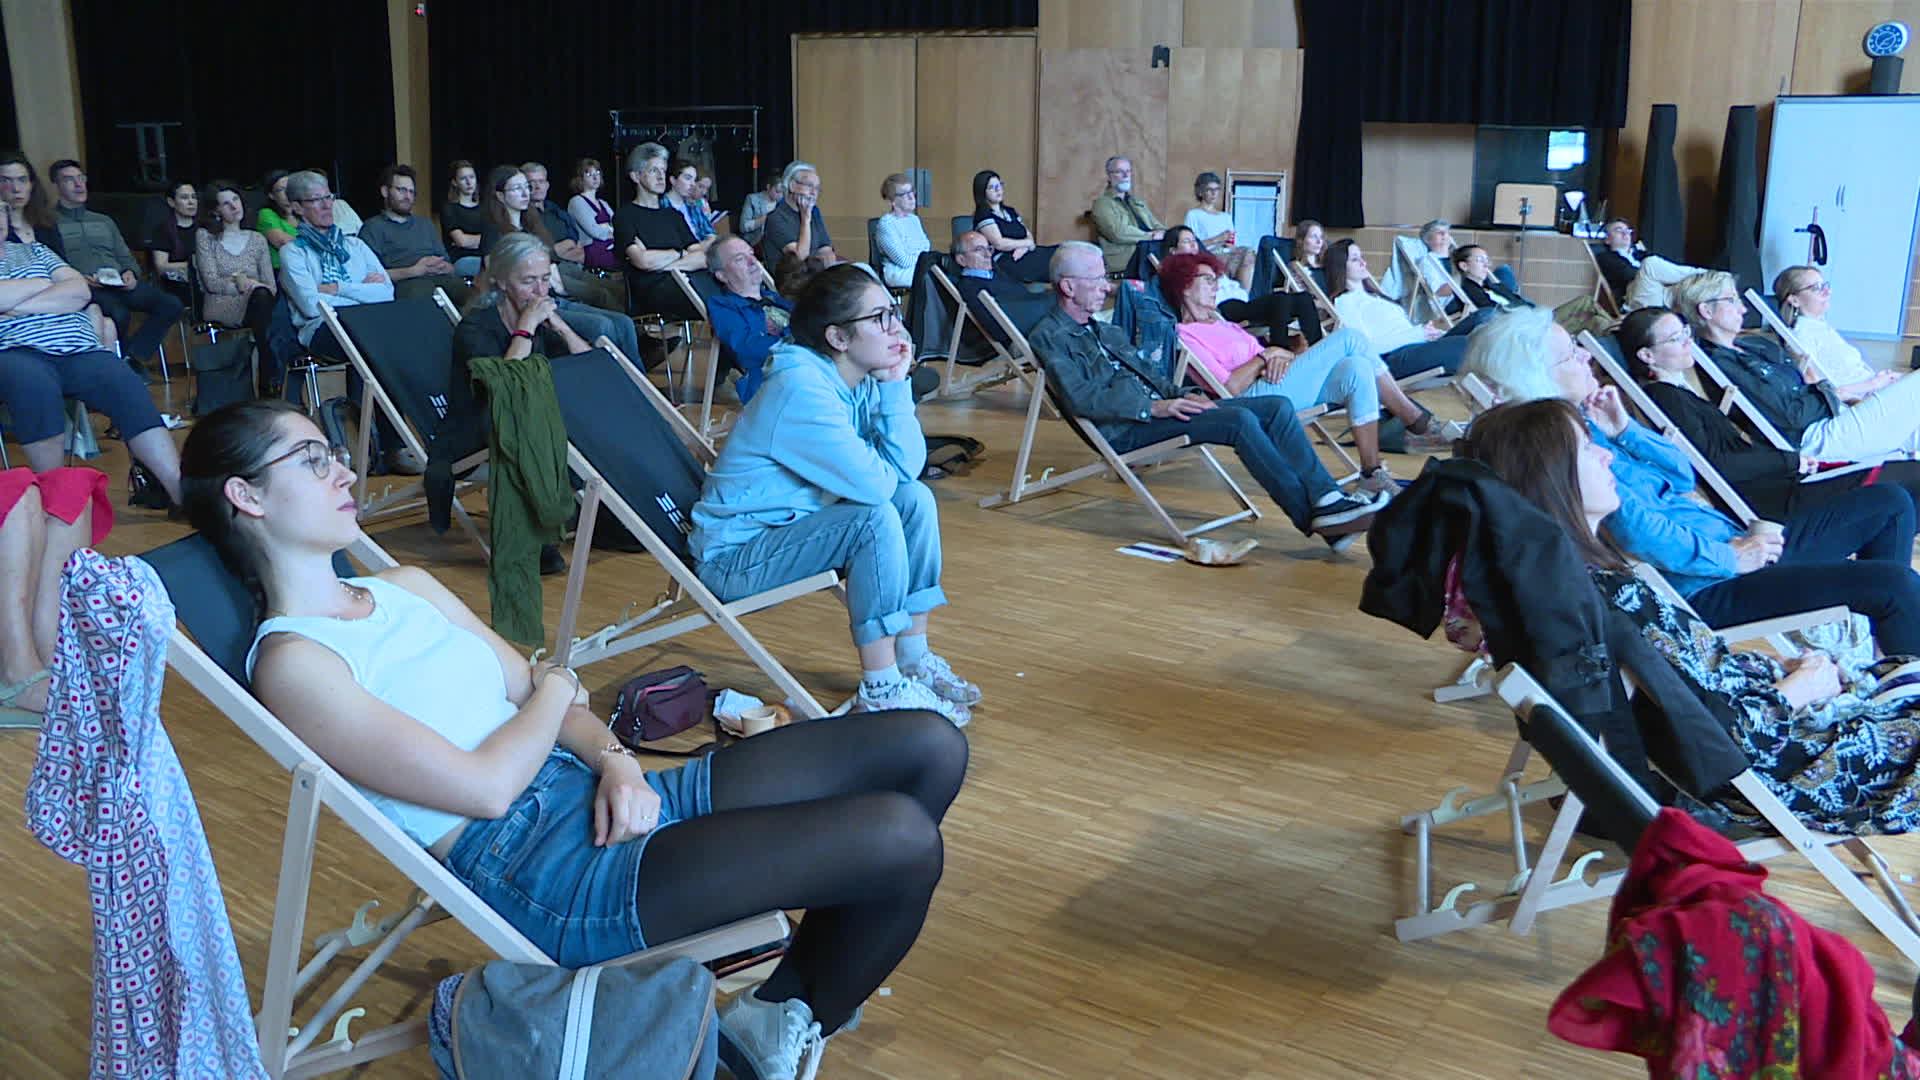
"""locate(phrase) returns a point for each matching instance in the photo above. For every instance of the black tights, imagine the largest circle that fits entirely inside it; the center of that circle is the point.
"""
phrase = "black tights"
(258, 319)
(838, 816)
(1275, 311)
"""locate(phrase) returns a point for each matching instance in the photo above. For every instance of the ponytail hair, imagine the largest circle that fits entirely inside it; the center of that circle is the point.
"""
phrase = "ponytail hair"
(235, 440)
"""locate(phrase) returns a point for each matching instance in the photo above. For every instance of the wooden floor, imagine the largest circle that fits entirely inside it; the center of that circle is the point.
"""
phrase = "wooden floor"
(1176, 854)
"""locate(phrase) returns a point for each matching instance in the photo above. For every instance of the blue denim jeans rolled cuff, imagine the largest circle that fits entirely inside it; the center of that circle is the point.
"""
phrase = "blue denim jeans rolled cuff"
(536, 865)
(889, 554)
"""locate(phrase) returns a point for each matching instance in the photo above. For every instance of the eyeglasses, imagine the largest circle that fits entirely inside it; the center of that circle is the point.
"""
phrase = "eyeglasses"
(1820, 287)
(1207, 278)
(1684, 333)
(1722, 300)
(887, 319)
(320, 458)
(316, 199)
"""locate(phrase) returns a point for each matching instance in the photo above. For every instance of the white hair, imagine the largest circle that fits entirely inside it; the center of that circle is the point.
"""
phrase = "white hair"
(793, 169)
(1434, 226)
(1069, 251)
(1509, 351)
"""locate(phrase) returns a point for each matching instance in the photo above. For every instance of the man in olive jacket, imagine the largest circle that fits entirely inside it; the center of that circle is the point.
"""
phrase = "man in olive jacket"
(1103, 379)
(1122, 220)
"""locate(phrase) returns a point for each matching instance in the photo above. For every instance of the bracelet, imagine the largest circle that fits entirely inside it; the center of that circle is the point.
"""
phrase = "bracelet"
(528, 334)
(613, 746)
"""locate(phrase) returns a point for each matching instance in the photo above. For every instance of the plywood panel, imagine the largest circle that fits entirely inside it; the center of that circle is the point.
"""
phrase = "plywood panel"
(853, 116)
(1095, 103)
(1413, 173)
(1108, 24)
(1827, 58)
(412, 105)
(1229, 108)
(976, 111)
(1245, 24)
(1704, 56)
(46, 86)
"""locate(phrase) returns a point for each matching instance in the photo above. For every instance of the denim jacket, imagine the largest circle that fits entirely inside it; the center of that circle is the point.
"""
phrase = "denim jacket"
(1657, 523)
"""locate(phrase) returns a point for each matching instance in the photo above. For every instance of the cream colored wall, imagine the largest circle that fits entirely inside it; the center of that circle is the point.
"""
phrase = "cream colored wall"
(46, 88)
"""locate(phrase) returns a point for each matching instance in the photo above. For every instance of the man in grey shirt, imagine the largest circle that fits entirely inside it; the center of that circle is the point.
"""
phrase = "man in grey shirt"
(407, 245)
(783, 229)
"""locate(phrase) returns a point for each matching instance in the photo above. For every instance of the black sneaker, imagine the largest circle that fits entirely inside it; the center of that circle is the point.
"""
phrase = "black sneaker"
(551, 561)
(1335, 517)
(144, 490)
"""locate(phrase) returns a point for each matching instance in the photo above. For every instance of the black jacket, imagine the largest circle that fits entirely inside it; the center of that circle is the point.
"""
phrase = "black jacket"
(1616, 269)
(1767, 478)
(1539, 608)
(1481, 295)
(1762, 372)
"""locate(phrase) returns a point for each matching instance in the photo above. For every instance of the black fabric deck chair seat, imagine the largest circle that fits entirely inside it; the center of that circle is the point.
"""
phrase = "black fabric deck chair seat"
(635, 455)
(211, 603)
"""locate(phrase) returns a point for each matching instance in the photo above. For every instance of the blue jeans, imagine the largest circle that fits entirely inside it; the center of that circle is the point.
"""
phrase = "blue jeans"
(1340, 370)
(1446, 353)
(32, 384)
(1504, 274)
(1269, 439)
(537, 867)
(590, 322)
(1874, 523)
(162, 309)
(889, 555)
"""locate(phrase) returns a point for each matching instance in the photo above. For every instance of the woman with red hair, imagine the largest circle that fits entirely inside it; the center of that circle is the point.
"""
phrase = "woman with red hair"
(1342, 369)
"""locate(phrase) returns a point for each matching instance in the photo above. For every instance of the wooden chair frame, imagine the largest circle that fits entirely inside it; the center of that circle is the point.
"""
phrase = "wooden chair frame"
(289, 1053)
(1329, 318)
(1602, 292)
(1422, 291)
(1005, 365)
(670, 615)
(411, 495)
(1537, 886)
(706, 427)
(1107, 459)
(1734, 400)
(1784, 332)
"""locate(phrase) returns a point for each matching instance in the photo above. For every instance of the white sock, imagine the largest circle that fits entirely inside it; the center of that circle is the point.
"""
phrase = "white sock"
(909, 649)
(879, 683)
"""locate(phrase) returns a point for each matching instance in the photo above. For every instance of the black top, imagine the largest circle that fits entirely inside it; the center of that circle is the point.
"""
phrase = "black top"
(1011, 227)
(490, 235)
(1481, 294)
(659, 228)
(468, 219)
(1762, 372)
(175, 240)
(1765, 477)
(1616, 269)
(482, 333)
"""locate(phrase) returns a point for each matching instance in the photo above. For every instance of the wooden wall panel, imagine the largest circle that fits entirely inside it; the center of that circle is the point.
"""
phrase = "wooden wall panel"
(1228, 108)
(1413, 173)
(853, 117)
(46, 83)
(976, 111)
(1095, 103)
(1704, 56)
(1109, 24)
(412, 104)
(1240, 24)
(1827, 58)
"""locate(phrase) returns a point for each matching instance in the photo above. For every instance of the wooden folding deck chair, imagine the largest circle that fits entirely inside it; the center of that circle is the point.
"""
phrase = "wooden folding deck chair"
(1329, 318)
(1784, 332)
(403, 352)
(1314, 419)
(1734, 400)
(1537, 886)
(699, 301)
(1421, 291)
(215, 609)
(1005, 365)
(641, 460)
(1106, 458)
(1602, 292)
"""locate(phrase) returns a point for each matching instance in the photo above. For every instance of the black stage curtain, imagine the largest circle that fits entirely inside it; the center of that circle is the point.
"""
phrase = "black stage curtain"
(512, 83)
(9, 121)
(1447, 62)
(252, 87)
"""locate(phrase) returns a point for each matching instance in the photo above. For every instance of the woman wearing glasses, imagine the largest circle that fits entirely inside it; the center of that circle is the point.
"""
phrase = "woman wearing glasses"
(1824, 421)
(1804, 295)
(1658, 347)
(822, 472)
(501, 770)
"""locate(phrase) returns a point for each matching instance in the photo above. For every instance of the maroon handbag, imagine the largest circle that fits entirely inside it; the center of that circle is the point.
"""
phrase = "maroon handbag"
(658, 705)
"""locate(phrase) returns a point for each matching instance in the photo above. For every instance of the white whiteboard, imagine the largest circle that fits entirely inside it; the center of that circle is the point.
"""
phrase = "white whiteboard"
(1856, 160)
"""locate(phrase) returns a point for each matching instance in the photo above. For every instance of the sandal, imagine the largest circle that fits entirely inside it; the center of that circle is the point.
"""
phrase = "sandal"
(12, 717)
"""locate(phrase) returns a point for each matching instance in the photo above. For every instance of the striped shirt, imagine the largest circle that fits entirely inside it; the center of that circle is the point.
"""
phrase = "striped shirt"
(60, 334)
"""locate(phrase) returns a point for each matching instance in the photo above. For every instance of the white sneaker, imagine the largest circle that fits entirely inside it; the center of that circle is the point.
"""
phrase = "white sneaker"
(1438, 438)
(913, 694)
(1378, 482)
(937, 674)
(769, 1040)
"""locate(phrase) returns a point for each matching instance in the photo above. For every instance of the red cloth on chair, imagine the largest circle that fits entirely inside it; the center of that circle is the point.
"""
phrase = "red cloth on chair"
(1706, 976)
(63, 493)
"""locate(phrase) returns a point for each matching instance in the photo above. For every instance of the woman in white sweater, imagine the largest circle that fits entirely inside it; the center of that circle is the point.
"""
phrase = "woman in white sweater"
(1803, 296)
(1405, 345)
(898, 236)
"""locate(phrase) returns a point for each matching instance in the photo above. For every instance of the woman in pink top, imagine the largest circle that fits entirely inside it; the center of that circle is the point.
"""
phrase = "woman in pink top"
(1342, 369)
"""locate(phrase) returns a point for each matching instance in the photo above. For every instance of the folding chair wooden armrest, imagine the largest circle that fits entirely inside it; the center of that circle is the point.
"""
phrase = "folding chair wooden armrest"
(1602, 292)
(1329, 317)
(1480, 397)
(1007, 364)
(1186, 367)
(1780, 330)
(1733, 399)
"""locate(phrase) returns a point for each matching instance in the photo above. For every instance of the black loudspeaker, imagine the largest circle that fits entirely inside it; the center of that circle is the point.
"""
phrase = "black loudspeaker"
(1663, 224)
(1885, 78)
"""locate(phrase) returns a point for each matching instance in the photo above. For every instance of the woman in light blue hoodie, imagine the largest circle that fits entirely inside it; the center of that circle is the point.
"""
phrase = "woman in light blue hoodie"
(822, 472)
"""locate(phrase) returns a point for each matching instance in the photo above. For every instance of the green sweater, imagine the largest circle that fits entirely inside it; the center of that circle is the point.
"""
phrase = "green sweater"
(269, 218)
(528, 496)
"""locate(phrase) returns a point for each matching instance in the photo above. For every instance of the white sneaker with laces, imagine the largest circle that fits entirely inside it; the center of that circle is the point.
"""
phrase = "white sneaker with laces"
(912, 694)
(769, 1040)
(937, 674)
(1438, 438)
(1378, 482)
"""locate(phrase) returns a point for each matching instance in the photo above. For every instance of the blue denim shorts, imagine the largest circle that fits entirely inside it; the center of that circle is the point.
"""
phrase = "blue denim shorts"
(536, 865)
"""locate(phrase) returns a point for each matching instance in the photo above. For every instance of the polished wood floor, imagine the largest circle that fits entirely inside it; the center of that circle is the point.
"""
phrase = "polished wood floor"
(1176, 855)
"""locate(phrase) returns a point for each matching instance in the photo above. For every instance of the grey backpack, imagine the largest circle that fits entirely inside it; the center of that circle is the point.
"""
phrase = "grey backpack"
(508, 1021)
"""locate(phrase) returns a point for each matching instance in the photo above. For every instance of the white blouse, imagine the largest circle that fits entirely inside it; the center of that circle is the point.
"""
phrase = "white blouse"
(1840, 360)
(1383, 322)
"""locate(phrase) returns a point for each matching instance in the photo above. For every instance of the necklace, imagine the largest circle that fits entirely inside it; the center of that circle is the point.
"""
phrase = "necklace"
(359, 594)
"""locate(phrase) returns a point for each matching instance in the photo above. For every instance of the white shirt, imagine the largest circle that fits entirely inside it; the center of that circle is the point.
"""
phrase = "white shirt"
(1207, 224)
(1383, 322)
(1841, 362)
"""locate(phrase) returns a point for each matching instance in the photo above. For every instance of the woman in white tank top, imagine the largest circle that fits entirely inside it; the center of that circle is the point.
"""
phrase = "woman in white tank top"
(503, 771)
